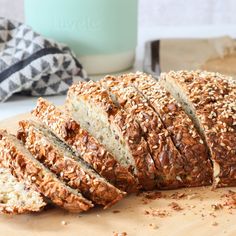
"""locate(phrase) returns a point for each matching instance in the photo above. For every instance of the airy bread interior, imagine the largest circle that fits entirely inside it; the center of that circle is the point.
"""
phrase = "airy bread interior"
(92, 118)
(16, 196)
(177, 92)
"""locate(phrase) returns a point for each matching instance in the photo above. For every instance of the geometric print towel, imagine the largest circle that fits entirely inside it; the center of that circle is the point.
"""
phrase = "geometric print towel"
(34, 65)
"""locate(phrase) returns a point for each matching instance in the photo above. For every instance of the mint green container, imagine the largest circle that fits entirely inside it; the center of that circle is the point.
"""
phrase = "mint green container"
(102, 33)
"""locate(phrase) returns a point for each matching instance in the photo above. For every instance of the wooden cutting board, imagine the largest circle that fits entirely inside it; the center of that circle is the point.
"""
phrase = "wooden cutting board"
(190, 212)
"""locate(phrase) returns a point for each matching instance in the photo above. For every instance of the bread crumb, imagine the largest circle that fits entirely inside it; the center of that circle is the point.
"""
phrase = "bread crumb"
(157, 213)
(230, 200)
(153, 226)
(215, 224)
(217, 206)
(178, 195)
(175, 206)
(116, 211)
(64, 223)
(153, 195)
(120, 234)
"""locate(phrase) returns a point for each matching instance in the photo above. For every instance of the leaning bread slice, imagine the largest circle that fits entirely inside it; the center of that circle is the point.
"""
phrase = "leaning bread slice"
(85, 145)
(210, 100)
(54, 154)
(171, 171)
(15, 196)
(182, 131)
(26, 168)
(93, 108)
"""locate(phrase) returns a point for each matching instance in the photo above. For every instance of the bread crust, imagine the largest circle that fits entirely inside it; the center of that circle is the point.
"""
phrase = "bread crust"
(64, 165)
(128, 128)
(16, 210)
(180, 126)
(214, 99)
(169, 163)
(90, 150)
(25, 168)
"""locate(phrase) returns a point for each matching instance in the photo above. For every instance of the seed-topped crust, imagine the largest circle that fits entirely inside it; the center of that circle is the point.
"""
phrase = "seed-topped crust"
(213, 98)
(181, 128)
(128, 128)
(169, 163)
(90, 150)
(25, 167)
(65, 164)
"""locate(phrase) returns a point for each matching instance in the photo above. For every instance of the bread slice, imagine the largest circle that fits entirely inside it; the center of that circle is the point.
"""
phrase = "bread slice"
(26, 168)
(187, 140)
(93, 108)
(170, 164)
(15, 196)
(210, 100)
(85, 145)
(54, 154)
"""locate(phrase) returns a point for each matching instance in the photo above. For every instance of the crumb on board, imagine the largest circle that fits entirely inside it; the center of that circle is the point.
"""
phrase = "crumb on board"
(175, 206)
(153, 195)
(215, 224)
(157, 213)
(153, 226)
(230, 199)
(120, 234)
(64, 223)
(227, 203)
(116, 211)
(178, 195)
(217, 206)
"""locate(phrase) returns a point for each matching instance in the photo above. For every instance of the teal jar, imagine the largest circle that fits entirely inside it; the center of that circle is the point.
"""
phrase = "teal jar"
(102, 33)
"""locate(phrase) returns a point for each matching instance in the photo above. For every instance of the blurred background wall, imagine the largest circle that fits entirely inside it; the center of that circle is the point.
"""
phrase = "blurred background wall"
(161, 12)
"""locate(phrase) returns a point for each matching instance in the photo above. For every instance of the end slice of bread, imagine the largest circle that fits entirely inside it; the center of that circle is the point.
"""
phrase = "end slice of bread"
(197, 164)
(15, 196)
(210, 101)
(93, 108)
(170, 163)
(85, 145)
(69, 167)
(26, 168)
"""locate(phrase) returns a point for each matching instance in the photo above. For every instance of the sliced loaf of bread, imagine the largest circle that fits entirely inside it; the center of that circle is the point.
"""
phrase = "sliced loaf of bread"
(54, 154)
(170, 164)
(26, 168)
(186, 138)
(210, 100)
(15, 196)
(85, 145)
(121, 135)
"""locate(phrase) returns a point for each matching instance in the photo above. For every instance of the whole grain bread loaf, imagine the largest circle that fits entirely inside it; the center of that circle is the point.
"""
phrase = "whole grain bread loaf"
(171, 164)
(15, 196)
(85, 145)
(69, 167)
(210, 100)
(26, 168)
(197, 164)
(93, 108)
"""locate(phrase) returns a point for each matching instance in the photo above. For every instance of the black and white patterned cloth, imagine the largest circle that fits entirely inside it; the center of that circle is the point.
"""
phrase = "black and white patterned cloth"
(34, 65)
